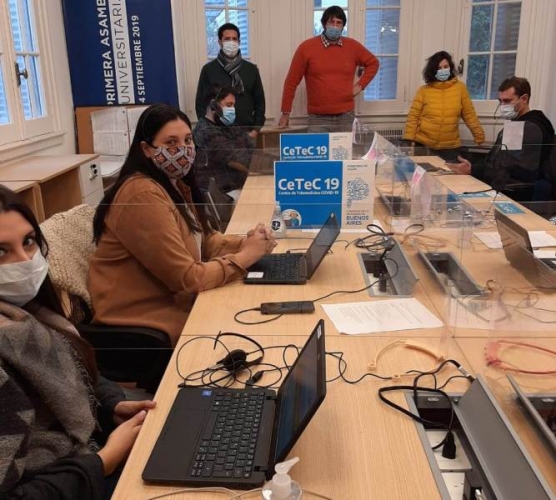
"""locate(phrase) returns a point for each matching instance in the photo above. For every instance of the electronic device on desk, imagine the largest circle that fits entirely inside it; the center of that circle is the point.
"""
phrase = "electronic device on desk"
(295, 268)
(197, 445)
(519, 253)
(491, 460)
(396, 205)
(541, 408)
(390, 270)
(450, 274)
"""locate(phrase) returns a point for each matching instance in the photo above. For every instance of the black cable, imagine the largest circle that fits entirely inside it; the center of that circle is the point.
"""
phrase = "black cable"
(255, 322)
(342, 368)
(360, 289)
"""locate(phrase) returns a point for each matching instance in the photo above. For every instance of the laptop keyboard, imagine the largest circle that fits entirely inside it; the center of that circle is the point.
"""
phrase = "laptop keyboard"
(284, 266)
(228, 443)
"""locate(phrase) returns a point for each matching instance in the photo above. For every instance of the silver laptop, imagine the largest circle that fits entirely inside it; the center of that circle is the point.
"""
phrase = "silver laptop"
(519, 252)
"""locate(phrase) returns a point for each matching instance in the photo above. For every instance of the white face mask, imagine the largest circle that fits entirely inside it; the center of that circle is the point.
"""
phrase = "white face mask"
(230, 48)
(20, 281)
(508, 111)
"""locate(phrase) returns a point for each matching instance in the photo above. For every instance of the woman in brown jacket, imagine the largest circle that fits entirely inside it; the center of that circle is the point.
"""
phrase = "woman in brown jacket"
(433, 119)
(156, 250)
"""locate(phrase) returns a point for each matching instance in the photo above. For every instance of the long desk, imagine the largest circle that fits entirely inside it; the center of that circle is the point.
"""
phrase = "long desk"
(356, 448)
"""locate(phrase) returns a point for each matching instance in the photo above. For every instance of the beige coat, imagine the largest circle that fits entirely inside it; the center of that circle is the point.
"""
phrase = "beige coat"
(147, 270)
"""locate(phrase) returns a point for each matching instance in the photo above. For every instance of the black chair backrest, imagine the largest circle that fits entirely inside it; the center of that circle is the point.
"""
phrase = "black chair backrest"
(549, 168)
(220, 206)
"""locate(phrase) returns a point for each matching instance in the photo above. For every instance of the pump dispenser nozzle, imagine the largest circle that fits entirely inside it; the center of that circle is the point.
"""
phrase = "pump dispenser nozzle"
(281, 487)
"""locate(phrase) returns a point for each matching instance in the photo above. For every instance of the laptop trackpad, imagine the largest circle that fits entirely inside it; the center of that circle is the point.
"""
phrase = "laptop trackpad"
(170, 458)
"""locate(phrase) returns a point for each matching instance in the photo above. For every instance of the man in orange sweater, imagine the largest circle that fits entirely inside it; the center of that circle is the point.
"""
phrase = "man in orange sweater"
(329, 63)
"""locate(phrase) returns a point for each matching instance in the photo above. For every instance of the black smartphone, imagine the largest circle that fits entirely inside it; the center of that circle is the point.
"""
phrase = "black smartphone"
(297, 307)
(453, 162)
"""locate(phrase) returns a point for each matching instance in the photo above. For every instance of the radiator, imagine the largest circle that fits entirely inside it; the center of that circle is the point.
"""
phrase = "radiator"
(390, 132)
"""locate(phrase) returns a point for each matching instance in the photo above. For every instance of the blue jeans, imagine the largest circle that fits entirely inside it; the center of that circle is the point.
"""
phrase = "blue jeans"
(342, 122)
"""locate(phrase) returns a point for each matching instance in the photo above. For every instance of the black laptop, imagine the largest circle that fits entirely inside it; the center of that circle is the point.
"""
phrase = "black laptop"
(519, 252)
(295, 268)
(234, 437)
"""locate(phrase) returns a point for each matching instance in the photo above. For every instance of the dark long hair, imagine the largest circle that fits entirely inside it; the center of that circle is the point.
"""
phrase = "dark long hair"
(48, 295)
(429, 71)
(149, 124)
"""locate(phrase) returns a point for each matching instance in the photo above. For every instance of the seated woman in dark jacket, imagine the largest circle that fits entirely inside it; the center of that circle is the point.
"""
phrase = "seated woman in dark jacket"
(225, 149)
(52, 400)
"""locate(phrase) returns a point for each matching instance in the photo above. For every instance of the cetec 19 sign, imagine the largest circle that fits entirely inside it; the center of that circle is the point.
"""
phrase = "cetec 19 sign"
(304, 147)
(316, 184)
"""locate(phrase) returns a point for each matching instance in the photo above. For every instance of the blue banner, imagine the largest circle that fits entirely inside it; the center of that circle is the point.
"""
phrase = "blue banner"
(308, 191)
(120, 52)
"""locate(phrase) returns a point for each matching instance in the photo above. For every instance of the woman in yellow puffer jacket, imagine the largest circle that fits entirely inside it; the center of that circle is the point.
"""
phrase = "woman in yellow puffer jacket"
(433, 119)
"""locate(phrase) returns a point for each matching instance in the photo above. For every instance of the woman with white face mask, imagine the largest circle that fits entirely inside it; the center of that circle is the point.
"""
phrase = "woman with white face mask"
(433, 120)
(156, 250)
(49, 384)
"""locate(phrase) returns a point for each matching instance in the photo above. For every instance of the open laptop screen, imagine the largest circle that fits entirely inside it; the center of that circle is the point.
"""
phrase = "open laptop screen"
(511, 233)
(322, 243)
(300, 394)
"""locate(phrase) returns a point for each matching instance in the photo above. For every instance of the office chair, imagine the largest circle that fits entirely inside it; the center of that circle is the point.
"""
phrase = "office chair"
(123, 353)
(220, 206)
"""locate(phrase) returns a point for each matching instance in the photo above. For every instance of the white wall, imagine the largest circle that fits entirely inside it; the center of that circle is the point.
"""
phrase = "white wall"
(62, 91)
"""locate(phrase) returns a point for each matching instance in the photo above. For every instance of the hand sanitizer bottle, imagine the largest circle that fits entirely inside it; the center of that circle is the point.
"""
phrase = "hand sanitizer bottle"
(466, 231)
(281, 486)
(277, 223)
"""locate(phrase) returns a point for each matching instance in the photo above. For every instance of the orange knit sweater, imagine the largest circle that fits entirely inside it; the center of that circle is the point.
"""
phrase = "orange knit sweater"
(329, 75)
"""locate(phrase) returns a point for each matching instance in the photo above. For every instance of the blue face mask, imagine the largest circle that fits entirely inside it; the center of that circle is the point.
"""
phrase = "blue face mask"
(228, 116)
(333, 33)
(443, 74)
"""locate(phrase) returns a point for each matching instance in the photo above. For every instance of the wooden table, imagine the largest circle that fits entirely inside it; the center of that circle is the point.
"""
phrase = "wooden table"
(64, 181)
(348, 451)
(355, 448)
(30, 192)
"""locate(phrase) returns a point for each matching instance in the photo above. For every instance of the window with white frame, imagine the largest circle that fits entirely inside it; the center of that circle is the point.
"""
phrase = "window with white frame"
(320, 6)
(219, 12)
(493, 46)
(4, 116)
(24, 112)
(382, 37)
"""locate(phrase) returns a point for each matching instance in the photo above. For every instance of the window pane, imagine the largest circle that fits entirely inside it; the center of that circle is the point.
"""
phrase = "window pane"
(324, 4)
(4, 115)
(481, 29)
(213, 20)
(29, 33)
(477, 76)
(383, 3)
(237, 3)
(16, 26)
(24, 91)
(503, 67)
(384, 83)
(317, 25)
(507, 26)
(36, 87)
(382, 31)
(212, 3)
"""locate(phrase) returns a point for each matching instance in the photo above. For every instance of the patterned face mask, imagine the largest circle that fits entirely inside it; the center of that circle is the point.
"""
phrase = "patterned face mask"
(175, 161)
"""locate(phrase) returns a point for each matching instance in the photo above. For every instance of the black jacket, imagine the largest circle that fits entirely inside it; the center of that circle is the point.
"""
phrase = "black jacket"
(502, 167)
(250, 106)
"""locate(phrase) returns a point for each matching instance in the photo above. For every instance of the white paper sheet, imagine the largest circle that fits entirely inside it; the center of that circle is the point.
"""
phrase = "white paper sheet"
(541, 239)
(490, 239)
(512, 136)
(380, 316)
